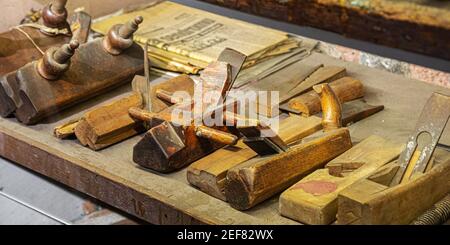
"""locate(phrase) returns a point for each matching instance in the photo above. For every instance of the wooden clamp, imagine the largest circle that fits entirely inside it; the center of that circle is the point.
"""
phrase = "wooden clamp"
(167, 147)
(256, 180)
(24, 44)
(63, 78)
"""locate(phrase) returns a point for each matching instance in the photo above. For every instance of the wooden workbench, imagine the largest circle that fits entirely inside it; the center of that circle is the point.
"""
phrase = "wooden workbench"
(413, 25)
(112, 177)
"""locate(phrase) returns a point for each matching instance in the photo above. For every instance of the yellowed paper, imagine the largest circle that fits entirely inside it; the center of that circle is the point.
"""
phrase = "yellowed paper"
(195, 34)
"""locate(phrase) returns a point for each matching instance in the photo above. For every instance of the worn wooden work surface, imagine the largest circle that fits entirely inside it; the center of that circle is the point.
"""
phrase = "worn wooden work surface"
(111, 176)
(415, 25)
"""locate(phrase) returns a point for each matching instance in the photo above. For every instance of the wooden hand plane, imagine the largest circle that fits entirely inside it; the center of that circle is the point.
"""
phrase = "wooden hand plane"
(402, 190)
(259, 178)
(28, 42)
(72, 73)
(167, 147)
(313, 200)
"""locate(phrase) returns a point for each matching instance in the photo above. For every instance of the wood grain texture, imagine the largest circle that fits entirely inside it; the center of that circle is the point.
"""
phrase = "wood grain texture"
(109, 124)
(256, 180)
(321, 75)
(357, 110)
(346, 89)
(111, 176)
(180, 83)
(368, 202)
(209, 173)
(313, 200)
(331, 107)
(66, 130)
(418, 27)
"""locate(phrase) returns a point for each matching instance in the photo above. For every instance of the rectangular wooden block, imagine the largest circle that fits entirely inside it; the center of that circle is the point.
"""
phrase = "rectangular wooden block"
(110, 123)
(257, 179)
(313, 200)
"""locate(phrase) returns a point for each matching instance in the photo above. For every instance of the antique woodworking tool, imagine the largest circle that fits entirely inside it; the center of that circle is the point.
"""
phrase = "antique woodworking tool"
(346, 89)
(252, 132)
(294, 80)
(431, 122)
(257, 179)
(111, 123)
(166, 146)
(65, 77)
(209, 173)
(313, 200)
(28, 42)
(401, 191)
(371, 201)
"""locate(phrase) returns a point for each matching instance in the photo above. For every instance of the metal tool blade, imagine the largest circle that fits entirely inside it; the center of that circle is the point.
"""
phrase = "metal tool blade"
(148, 102)
(235, 59)
(433, 119)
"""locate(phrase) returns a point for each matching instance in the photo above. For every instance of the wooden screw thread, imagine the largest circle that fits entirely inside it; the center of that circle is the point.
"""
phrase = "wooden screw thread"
(128, 29)
(437, 215)
(331, 107)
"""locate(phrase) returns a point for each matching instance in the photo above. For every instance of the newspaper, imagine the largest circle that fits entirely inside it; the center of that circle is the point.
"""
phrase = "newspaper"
(191, 37)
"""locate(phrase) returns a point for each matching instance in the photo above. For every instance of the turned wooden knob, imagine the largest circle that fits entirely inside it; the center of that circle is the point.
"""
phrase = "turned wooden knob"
(56, 61)
(54, 15)
(120, 36)
(331, 107)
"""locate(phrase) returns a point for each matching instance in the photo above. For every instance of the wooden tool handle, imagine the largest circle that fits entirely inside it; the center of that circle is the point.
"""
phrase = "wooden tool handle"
(346, 89)
(331, 107)
(141, 115)
(216, 135)
(167, 96)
